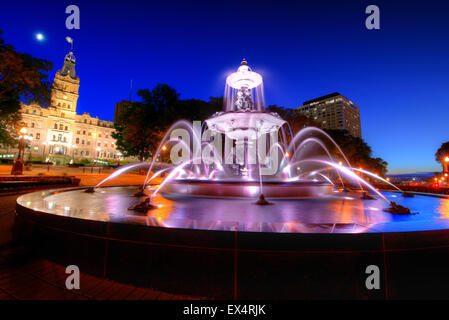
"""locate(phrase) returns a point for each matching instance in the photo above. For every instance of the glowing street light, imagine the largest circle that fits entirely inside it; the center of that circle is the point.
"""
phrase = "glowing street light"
(164, 148)
(17, 167)
(446, 159)
(287, 154)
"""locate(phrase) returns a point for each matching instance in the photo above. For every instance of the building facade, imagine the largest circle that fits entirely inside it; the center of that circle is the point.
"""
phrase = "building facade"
(334, 111)
(58, 134)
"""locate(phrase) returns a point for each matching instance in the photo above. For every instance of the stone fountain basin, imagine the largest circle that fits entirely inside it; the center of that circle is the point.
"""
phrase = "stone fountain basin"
(247, 189)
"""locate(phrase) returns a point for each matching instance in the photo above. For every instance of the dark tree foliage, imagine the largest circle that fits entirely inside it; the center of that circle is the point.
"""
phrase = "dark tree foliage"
(296, 120)
(143, 124)
(442, 152)
(23, 78)
(357, 151)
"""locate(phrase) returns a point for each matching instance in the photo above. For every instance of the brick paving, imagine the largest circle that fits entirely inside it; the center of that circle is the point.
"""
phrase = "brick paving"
(41, 279)
(25, 277)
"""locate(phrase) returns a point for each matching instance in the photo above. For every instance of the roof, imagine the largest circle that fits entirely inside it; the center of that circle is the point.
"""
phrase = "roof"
(335, 94)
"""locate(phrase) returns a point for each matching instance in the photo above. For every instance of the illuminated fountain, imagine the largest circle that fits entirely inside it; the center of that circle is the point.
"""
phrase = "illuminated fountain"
(255, 163)
(189, 232)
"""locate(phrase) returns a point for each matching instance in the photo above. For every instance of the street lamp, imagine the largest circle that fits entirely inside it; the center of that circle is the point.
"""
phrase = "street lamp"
(74, 146)
(17, 167)
(43, 149)
(119, 155)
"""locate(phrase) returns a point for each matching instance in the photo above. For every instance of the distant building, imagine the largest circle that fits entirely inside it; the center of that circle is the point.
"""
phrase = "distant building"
(57, 133)
(333, 111)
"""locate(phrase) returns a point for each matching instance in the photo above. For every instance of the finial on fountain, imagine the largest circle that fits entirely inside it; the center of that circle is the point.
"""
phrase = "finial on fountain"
(244, 63)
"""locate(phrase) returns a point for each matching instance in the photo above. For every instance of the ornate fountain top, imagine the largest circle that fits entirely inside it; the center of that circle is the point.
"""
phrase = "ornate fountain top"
(244, 77)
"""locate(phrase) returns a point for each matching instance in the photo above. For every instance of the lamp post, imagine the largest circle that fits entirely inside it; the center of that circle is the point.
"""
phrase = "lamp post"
(119, 155)
(43, 150)
(74, 146)
(17, 167)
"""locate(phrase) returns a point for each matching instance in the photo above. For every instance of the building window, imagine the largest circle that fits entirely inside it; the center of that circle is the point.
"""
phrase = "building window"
(77, 140)
(85, 121)
(34, 111)
(99, 144)
(87, 153)
(59, 137)
(38, 136)
(61, 127)
(82, 141)
(56, 126)
(84, 132)
(40, 113)
(32, 125)
(65, 128)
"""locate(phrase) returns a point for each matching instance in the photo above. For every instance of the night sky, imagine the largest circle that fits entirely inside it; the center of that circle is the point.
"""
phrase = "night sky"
(398, 75)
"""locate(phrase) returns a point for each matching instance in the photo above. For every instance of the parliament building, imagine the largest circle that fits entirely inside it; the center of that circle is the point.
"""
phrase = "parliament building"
(58, 134)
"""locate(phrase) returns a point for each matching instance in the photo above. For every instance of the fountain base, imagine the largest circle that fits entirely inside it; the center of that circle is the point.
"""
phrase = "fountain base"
(90, 190)
(247, 189)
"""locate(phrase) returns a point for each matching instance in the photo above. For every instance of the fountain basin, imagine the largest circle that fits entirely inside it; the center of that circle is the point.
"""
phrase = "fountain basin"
(246, 123)
(247, 189)
(297, 249)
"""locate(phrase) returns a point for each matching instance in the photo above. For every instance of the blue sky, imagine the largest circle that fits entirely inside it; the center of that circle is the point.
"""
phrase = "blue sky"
(398, 75)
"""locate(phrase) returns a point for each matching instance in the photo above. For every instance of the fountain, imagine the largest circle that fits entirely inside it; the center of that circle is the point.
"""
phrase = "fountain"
(190, 232)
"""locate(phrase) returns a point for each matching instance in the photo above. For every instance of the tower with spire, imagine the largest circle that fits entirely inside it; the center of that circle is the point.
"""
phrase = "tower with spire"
(65, 88)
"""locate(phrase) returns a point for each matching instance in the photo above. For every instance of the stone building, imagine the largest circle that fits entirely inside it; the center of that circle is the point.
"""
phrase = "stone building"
(60, 135)
(334, 111)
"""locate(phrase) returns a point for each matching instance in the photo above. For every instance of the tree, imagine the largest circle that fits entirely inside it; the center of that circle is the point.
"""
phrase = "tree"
(442, 152)
(357, 151)
(143, 124)
(23, 78)
(296, 119)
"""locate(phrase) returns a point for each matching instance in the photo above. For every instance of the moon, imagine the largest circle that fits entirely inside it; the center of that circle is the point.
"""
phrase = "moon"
(40, 37)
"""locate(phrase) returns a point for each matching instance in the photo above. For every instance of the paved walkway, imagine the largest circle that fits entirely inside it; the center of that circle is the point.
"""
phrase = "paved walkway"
(23, 276)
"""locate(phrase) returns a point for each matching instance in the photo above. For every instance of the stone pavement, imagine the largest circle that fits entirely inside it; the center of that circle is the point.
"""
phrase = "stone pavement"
(24, 276)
